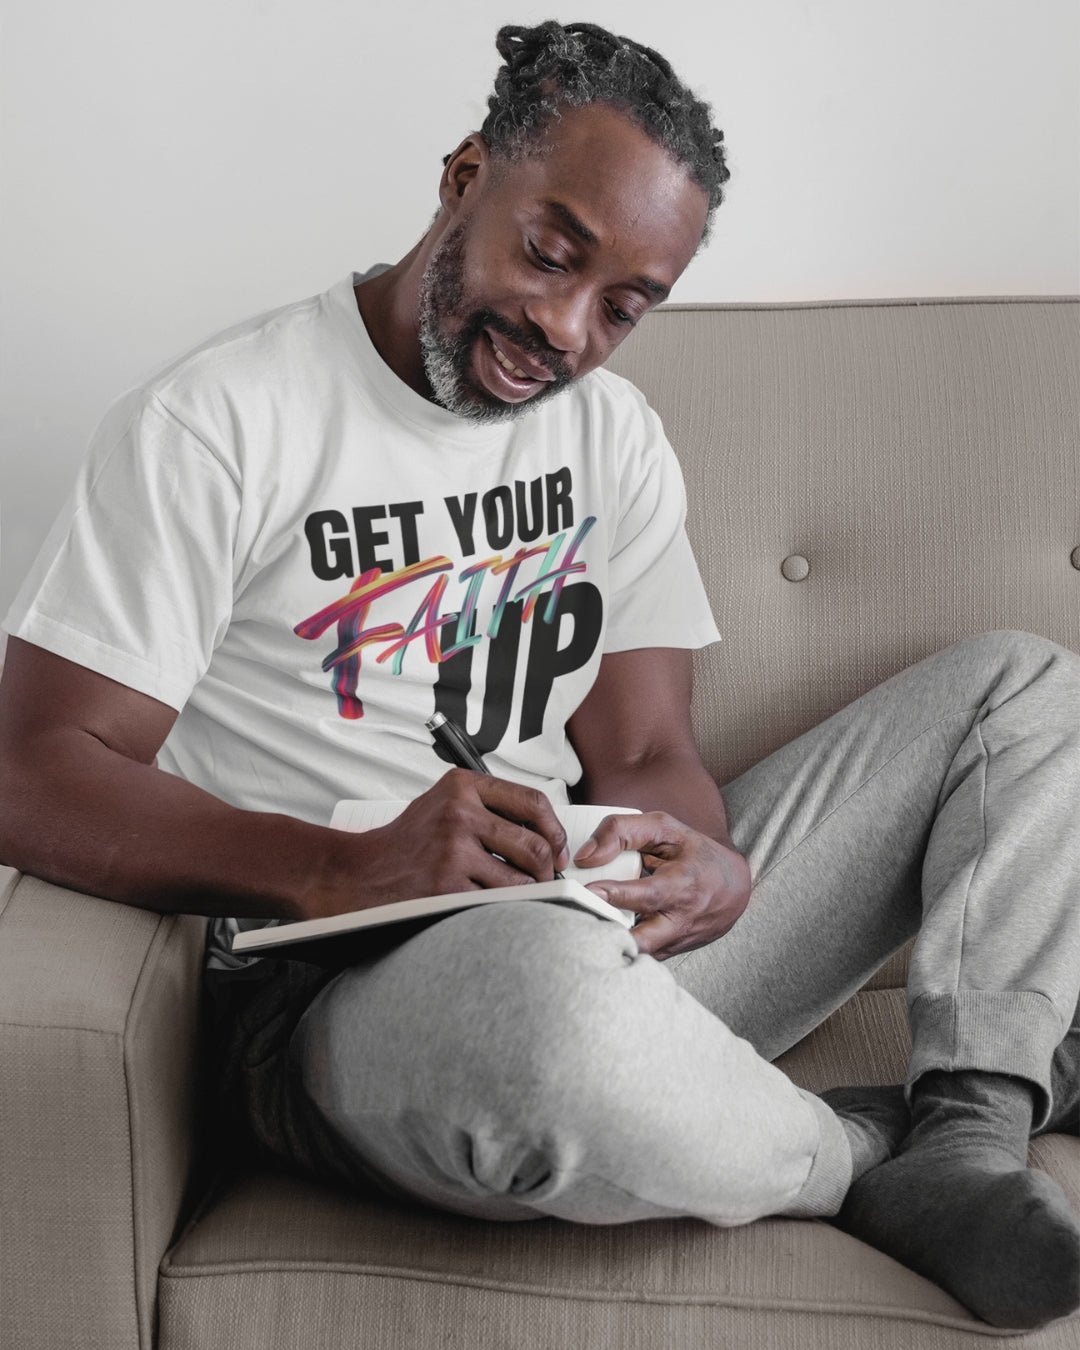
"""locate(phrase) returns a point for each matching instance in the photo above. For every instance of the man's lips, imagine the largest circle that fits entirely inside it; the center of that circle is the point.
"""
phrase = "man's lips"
(514, 361)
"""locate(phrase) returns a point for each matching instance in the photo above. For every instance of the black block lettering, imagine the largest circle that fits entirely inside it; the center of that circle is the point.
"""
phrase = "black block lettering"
(331, 553)
(455, 681)
(367, 539)
(461, 516)
(529, 527)
(560, 509)
(499, 502)
(583, 604)
(406, 512)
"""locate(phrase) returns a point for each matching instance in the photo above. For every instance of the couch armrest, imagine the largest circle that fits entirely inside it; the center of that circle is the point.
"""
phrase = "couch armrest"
(99, 1023)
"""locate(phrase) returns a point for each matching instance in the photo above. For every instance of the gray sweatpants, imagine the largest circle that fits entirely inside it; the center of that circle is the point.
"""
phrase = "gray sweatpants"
(522, 1060)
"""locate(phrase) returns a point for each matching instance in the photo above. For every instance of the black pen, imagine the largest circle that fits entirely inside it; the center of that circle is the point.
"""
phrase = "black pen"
(456, 743)
(460, 749)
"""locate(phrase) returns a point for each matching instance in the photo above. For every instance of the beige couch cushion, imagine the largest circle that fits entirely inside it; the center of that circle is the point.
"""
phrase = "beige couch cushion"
(921, 456)
(269, 1257)
(98, 1043)
(273, 1258)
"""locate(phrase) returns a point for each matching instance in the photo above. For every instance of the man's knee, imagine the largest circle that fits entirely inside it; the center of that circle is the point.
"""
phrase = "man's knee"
(1013, 648)
(495, 1003)
(473, 1062)
(1009, 662)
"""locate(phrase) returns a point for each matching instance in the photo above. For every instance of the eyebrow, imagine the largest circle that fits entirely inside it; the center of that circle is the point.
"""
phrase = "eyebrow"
(578, 227)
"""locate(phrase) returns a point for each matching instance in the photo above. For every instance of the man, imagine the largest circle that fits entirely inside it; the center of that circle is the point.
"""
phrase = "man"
(419, 491)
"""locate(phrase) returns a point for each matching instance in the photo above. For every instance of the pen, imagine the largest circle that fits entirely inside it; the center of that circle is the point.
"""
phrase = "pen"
(456, 744)
(460, 749)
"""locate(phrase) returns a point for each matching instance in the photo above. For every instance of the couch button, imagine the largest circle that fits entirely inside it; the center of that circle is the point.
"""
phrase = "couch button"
(796, 568)
(1074, 557)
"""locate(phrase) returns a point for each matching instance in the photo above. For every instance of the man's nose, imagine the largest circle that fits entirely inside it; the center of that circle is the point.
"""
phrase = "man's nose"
(563, 321)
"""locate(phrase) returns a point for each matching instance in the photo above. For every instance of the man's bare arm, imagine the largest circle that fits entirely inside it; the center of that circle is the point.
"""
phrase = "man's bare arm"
(83, 804)
(634, 738)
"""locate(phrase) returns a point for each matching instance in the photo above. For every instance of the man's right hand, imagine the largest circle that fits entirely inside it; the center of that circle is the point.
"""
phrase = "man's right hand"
(83, 804)
(467, 832)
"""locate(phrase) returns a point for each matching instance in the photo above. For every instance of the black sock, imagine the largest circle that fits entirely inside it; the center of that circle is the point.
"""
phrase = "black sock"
(959, 1205)
(875, 1120)
(1065, 1086)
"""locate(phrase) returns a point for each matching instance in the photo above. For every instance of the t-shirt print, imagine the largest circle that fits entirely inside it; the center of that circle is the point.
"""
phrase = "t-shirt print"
(514, 581)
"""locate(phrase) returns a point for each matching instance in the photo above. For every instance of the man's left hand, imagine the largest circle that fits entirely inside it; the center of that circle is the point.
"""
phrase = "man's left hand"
(695, 889)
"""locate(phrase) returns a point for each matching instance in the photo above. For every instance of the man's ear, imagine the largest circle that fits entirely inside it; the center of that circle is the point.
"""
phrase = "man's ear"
(465, 168)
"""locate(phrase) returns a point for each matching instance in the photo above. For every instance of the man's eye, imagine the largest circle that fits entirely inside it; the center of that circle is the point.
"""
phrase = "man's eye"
(620, 315)
(543, 260)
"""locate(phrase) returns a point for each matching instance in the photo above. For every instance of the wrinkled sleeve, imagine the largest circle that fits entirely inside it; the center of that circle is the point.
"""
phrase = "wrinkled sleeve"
(136, 578)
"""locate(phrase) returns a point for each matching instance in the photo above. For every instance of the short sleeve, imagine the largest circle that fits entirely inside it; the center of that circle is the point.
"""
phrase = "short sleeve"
(656, 596)
(135, 580)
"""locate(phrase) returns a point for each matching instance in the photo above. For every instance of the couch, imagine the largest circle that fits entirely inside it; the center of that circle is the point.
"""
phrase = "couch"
(867, 483)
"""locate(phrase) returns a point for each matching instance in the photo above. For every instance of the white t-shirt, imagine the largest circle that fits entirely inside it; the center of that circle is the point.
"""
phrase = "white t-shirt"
(280, 539)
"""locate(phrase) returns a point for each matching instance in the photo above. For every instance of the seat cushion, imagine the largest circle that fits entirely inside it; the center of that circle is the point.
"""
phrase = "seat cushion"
(276, 1261)
(272, 1260)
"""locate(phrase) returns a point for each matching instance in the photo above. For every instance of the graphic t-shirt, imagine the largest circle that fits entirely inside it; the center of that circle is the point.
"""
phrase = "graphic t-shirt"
(280, 539)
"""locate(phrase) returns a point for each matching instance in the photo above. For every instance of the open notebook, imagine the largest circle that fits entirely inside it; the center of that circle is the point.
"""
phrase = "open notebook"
(342, 939)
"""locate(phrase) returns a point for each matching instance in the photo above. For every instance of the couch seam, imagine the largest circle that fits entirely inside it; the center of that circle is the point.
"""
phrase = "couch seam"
(880, 302)
(231, 1269)
(61, 1026)
(157, 940)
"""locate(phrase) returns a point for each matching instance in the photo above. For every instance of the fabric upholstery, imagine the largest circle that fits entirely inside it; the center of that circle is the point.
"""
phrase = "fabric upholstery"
(866, 483)
(273, 1258)
(271, 1255)
(98, 1043)
(921, 456)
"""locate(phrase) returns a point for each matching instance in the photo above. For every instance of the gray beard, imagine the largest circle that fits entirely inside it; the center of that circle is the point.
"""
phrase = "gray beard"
(443, 359)
(447, 357)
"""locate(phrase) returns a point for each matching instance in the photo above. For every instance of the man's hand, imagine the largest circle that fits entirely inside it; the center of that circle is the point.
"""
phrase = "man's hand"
(695, 890)
(470, 831)
(82, 805)
(635, 741)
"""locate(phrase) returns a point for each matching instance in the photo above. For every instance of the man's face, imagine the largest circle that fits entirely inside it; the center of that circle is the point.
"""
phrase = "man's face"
(551, 261)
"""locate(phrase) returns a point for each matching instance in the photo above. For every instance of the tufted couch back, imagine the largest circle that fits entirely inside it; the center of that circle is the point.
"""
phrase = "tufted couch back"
(866, 483)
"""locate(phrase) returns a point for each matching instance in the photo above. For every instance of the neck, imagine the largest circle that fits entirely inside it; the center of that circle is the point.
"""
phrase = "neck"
(389, 304)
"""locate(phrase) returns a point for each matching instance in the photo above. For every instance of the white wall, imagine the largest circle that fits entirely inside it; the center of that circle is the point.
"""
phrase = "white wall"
(171, 168)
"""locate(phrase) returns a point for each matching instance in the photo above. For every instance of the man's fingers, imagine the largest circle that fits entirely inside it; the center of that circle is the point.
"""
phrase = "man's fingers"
(670, 906)
(472, 829)
(655, 934)
(521, 827)
(521, 847)
(652, 832)
(633, 895)
(488, 871)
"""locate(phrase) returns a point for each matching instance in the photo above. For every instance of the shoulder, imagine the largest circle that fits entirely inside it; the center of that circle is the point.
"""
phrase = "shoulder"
(609, 411)
(244, 354)
(618, 418)
(604, 389)
(236, 392)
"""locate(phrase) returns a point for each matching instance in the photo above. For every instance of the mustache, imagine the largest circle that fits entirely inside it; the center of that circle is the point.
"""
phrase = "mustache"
(529, 340)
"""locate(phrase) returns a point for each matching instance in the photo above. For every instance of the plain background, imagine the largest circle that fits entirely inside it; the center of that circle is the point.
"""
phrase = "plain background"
(170, 169)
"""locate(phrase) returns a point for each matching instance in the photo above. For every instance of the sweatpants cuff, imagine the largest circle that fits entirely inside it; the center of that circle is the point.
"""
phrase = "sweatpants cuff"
(1014, 1033)
(829, 1177)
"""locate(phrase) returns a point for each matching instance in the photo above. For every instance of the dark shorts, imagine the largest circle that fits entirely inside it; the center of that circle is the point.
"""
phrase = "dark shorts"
(260, 1103)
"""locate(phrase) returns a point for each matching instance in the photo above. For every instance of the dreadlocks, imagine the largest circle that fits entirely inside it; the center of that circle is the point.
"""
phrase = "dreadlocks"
(551, 67)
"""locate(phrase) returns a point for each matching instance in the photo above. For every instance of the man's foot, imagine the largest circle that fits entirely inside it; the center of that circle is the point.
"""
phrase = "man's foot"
(875, 1119)
(959, 1206)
